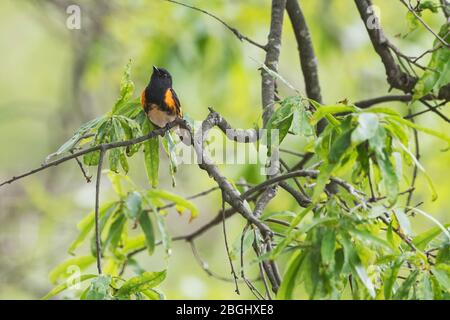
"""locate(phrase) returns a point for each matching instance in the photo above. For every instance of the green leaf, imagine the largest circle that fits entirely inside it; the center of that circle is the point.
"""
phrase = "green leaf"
(91, 158)
(154, 294)
(340, 146)
(169, 148)
(65, 285)
(390, 177)
(99, 288)
(114, 234)
(137, 284)
(397, 130)
(288, 282)
(77, 137)
(147, 227)
(121, 183)
(301, 121)
(422, 240)
(86, 225)
(384, 111)
(412, 21)
(410, 124)
(426, 288)
(328, 247)
(179, 201)
(429, 5)
(432, 219)
(281, 120)
(62, 270)
(438, 73)
(291, 234)
(129, 109)
(390, 278)
(126, 88)
(323, 111)
(357, 267)
(133, 205)
(367, 127)
(325, 171)
(151, 155)
(403, 221)
(403, 290)
(365, 235)
(124, 163)
(279, 214)
(443, 255)
(310, 274)
(442, 275)
(133, 243)
(165, 236)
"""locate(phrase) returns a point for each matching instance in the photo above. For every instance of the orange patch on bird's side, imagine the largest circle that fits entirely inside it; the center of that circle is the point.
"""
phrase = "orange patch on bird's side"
(143, 99)
(169, 101)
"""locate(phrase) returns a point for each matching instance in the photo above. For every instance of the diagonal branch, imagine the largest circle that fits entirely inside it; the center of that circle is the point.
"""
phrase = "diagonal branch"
(395, 76)
(308, 59)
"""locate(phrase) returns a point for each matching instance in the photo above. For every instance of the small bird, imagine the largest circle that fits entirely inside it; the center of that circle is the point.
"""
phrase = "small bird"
(159, 100)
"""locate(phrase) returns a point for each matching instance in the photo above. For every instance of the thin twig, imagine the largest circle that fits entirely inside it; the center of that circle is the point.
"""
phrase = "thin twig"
(97, 226)
(204, 265)
(88, 178)
(105, 147)
(233, 272)
(408, 6)
(297, 154)
(249, 284)
(416, 169)
(435, 110)
(236, 32)
(411, 116)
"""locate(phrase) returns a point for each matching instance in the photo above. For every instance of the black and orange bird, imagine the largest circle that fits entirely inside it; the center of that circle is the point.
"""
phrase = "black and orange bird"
(159, 100)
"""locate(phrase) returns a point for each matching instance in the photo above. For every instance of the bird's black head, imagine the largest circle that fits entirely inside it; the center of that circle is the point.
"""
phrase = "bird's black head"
(162, 77)
(160, 81)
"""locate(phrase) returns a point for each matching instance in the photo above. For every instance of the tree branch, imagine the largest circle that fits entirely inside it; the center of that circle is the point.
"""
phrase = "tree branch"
(308, 59)
(105, 147)
(364, 104)
(395, 76)
(272, 56)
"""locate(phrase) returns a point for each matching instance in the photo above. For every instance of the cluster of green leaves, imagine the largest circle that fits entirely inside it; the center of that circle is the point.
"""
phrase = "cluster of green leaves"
(437, 74)
(105, 287)
(422, 6)
(128, 224)
(344, 244)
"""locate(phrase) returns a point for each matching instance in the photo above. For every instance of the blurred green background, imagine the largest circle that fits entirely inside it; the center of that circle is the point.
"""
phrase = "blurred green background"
(55, 79)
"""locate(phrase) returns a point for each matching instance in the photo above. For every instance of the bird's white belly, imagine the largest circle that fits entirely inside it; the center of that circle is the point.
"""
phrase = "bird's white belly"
(160, 118)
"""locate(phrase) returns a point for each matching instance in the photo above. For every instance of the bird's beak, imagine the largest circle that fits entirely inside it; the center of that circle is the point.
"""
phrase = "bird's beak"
(155, 69)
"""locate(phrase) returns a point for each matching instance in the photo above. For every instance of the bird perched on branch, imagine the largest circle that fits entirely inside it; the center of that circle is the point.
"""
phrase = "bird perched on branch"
(161, 103)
